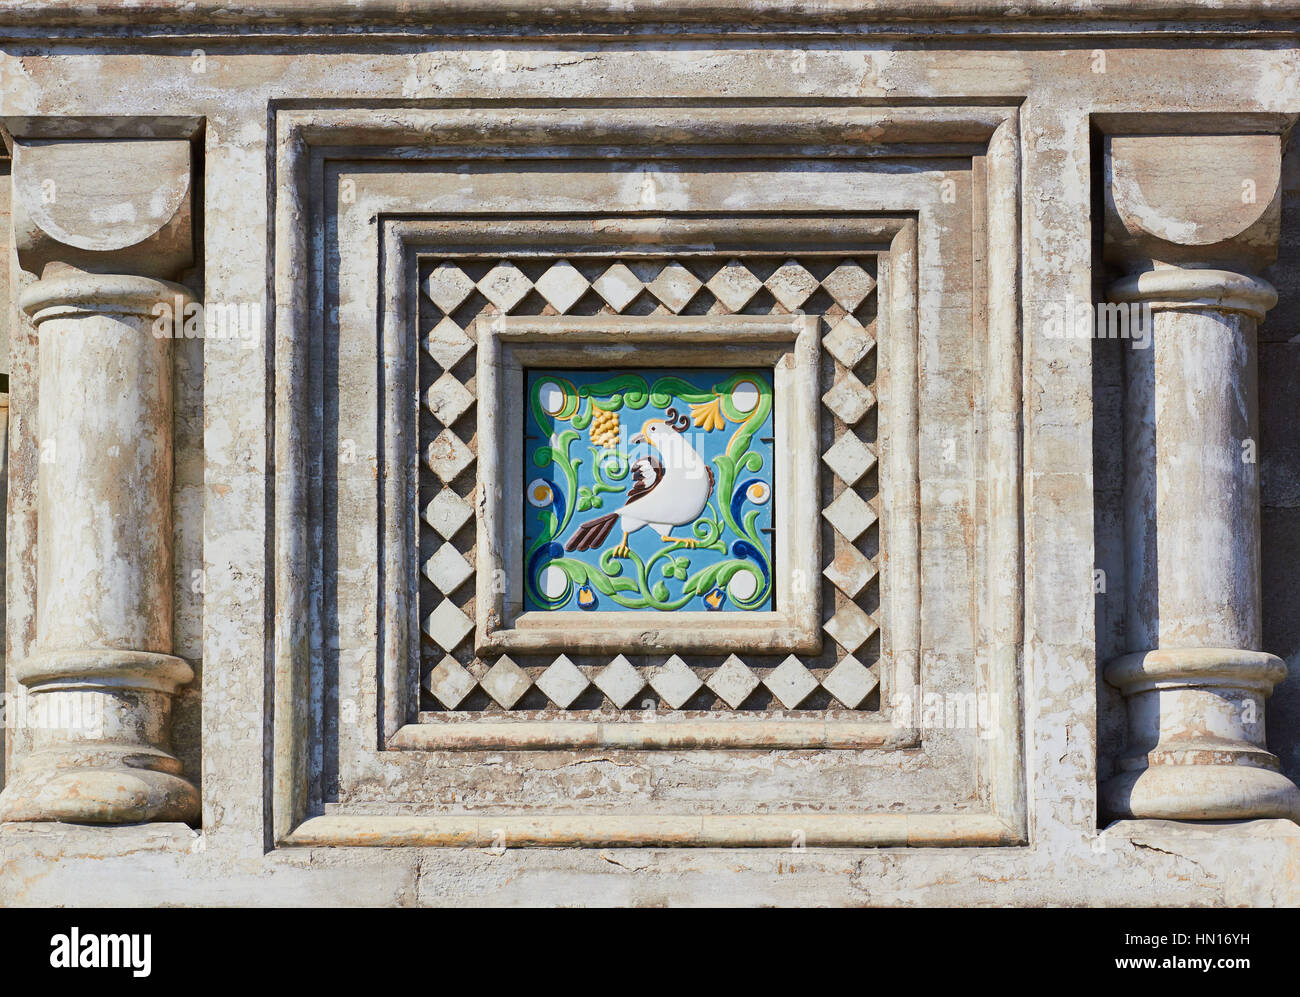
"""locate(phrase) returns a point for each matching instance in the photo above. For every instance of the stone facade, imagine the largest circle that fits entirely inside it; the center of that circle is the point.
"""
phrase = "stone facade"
(980, 315)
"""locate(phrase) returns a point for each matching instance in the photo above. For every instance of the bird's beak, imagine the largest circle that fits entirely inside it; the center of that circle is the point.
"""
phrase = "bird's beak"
(643, 437)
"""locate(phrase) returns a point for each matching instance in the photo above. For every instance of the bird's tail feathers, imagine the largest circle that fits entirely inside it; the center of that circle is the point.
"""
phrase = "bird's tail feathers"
(592, 533)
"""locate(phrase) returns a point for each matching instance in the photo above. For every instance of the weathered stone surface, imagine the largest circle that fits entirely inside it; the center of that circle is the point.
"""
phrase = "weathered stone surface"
(562, 285)
(849, 514)
(448, 399)
(620, 681)
(790, 682)
(848, 341)
(1112, 572)
(447, 513)
(674, 682)
(850, 570)
(506, 682)
(449, 682)
(850, 682)
(447, 569)
(448, 456)
(733, 681)
(849, 399)
(562, 682)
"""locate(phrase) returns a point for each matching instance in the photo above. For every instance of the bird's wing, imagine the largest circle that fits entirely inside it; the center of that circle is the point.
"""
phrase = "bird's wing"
(648, 472)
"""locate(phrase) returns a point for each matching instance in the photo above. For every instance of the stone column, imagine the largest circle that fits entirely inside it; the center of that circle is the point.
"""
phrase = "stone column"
(1192, 219)
(103, 224)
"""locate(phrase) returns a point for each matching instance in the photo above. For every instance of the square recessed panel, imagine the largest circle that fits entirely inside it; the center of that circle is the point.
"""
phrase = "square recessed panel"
(822, 745)
(648, 489)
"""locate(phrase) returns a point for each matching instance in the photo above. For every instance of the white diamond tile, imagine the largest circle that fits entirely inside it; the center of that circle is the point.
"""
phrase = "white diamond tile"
(791, 284)
(562, 285)
(447, 456)
(447, 343)
(675, 286)
(448, 625)
(675, 682)
(448, 399)
(850, 682)
(849, 458)
(447, 286)
(849, 514)
(618, 285)
(733, 681)
(734, 285)
(850, 571)
(790, 682)
(619, 681)
(850, 627)
(447, 513)
(848, 342)
(849, 399)
(447, 569)
(849, 284)
(505, 285)
(506, 682)
(449, 682)
(563, 682)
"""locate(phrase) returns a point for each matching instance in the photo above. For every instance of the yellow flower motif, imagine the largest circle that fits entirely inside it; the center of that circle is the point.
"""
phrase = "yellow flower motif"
(708, 416)
(540, 493)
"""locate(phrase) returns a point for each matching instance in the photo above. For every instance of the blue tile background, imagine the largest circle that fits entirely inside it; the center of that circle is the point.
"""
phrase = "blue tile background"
(601, 477)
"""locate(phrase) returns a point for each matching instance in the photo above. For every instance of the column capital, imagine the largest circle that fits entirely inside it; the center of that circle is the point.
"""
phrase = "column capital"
(1196, 289)
(103, 205)
(1192, 201)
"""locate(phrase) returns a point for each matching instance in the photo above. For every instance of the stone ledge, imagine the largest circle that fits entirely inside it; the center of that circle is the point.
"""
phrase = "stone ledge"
(1172, 833)
(82, 840)
(678, 16)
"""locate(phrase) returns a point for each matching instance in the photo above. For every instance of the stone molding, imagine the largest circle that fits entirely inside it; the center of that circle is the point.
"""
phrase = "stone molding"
(306, 138)
(786, 346)
(587, 15)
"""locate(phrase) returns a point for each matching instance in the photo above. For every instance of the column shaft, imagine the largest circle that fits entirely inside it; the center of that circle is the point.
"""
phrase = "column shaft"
(102, 673)
(1192, 484)
(1195, 679)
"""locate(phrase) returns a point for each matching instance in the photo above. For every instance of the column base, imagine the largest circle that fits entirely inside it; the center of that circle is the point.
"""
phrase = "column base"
(117, 786)
(1201, 792)
(100, 726)
(1196, 737)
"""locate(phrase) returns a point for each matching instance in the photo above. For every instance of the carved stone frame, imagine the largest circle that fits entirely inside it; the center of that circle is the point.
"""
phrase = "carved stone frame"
(788, 346)
(308, 137)
(405, 242)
